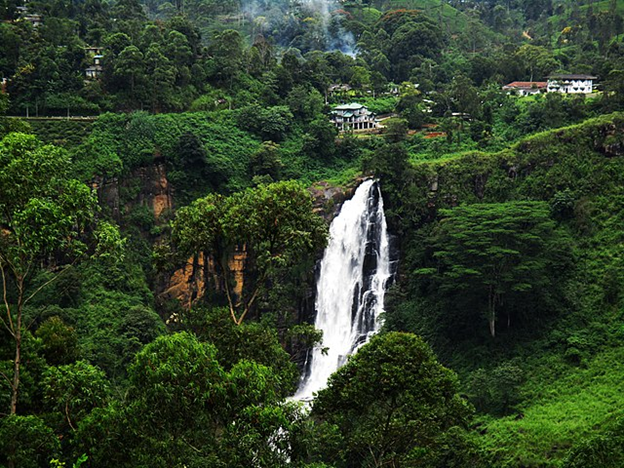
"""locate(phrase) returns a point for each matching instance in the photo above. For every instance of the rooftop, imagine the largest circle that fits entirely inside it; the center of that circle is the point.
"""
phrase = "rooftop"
(572, 77)
(351, 106)
(527, 84)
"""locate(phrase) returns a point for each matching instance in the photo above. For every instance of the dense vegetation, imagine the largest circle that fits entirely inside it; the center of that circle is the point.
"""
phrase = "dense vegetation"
(157, 251)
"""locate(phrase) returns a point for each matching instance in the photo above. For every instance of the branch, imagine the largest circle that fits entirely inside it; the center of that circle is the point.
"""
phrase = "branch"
(251, 301)
(10, 328)
(189, 444)
(230, 303)
(8, 261)
(32, 322)
(67, 415)
(51, 280)
(227, 293)
(28, 267)
(7, 379)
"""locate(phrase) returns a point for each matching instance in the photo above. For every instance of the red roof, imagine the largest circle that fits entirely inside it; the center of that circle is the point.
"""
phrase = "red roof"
(527, 84)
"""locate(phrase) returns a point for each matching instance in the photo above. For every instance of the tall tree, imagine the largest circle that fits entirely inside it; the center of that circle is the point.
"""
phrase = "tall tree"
(274, 223)
(130, 68)
(45, 219)
(494, 258)
(537, 61)
(393, 403)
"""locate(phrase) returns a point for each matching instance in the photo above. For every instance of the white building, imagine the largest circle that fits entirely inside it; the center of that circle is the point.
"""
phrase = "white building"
(354, 117)
(95, 54)
(571, 84)
(526, 88)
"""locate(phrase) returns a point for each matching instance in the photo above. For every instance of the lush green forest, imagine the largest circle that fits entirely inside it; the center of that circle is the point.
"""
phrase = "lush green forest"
(168, 171)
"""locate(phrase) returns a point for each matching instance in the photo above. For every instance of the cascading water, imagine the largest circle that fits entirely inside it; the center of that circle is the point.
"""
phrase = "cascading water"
(354, 273)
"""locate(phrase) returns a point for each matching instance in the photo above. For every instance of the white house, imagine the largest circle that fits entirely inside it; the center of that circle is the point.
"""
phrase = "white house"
(354, 117)
(95, 54)
(526, 88)
(93, 72)
(571, 84)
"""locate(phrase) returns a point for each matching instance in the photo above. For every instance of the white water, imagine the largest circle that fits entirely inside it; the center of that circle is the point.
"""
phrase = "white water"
(351, 285)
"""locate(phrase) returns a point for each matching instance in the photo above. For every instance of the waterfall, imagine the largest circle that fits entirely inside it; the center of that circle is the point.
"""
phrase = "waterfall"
(351, 285)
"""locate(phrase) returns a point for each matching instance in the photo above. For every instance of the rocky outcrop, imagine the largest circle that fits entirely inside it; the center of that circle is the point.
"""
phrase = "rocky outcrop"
(187, 284)
(611, 141)
(108, 194)
(198, 276)
(146, 186)
(329, 198)
(161, 192)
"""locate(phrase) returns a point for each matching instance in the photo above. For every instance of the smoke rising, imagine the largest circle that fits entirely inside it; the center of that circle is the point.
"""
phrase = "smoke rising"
(304, 24)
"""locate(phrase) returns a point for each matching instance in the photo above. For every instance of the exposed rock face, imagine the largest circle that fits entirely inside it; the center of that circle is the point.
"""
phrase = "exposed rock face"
(147, 186)
(188, 283)
(162, 196)
(155, 191)
(611, 141)
(329, 198)
(236, 265)
(108, 194)
(192, 282)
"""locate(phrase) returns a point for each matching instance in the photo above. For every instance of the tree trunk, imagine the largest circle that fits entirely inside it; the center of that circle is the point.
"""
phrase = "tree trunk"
(17, 333)
(17, 363)
(492, 311)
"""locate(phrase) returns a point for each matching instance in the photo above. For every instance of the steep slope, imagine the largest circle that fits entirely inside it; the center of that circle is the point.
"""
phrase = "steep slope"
(553, 377)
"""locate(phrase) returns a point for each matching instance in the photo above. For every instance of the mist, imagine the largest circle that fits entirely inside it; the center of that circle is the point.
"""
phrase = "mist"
(304, 24)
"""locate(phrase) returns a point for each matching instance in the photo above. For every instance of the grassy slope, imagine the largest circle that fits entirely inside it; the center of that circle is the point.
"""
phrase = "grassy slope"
(604, 6)
(452, 18)
(560, 413)
(563, 400)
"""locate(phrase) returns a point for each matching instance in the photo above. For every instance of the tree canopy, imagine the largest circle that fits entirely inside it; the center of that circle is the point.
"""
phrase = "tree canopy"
(47, 220)
(496, 258)
(274, 224)
(392, 403)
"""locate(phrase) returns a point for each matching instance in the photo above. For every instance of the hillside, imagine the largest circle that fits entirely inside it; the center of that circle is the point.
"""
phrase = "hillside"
(563, 379)
(170, 175)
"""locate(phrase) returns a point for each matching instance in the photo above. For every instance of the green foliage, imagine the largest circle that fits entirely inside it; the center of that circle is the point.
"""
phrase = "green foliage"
(26, 441)
(73, 391)
(395, 130)
(320, 141)
(61, 132)
(604, 450)
(496, 390)
(198, 149)
(249, 341)
(392, 403)
(177, 378)
(555, 369)
(43, 213)
(274, 222)
(554, 373)
(213, 417)
(59, 341)
(269, 123)
(491, 258)
(266, 161)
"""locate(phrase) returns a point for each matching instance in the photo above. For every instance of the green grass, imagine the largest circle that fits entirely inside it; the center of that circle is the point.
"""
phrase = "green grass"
(573, 385)
(563, 412)
(604, 6)
(454, 19)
